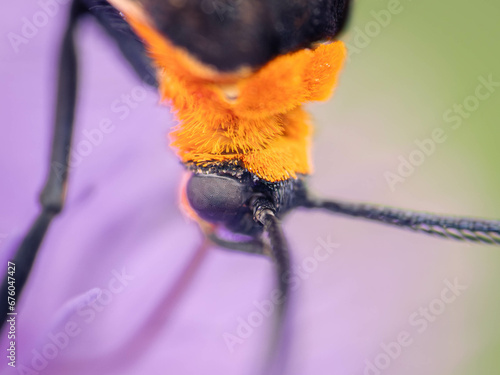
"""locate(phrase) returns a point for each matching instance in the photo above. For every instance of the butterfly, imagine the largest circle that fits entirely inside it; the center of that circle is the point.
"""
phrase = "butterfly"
(238, 182)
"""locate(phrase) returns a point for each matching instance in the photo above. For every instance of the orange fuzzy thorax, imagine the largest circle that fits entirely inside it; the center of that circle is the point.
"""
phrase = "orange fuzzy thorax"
(254, 117)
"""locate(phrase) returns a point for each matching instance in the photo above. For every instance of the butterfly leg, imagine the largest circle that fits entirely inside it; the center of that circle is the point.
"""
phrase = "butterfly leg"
(53, 194)
(252, 246)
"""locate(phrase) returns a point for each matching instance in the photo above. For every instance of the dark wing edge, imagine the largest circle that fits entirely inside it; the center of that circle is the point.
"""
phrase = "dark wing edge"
(130, 45)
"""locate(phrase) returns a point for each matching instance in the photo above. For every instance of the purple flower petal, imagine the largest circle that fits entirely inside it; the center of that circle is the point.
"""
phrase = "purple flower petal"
(166, 305)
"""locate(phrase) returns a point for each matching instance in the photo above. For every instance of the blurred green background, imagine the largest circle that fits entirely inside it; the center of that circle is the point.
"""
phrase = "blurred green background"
(395, 89)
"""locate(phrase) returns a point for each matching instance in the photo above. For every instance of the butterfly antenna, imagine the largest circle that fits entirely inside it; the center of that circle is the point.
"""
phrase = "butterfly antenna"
(452, 227)
(264, 213)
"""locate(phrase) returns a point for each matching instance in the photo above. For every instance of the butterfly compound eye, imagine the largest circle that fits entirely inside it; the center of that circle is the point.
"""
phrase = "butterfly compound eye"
(217, 198)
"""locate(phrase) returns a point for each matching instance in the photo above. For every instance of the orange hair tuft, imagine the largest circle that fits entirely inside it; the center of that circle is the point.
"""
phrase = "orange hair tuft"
(255, 117)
